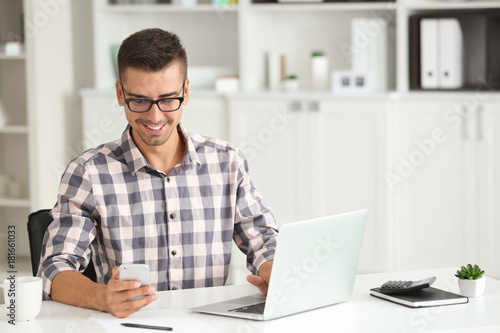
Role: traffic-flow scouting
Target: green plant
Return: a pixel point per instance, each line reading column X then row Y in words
column 318, row 54
column 292, row 77
column 469, row 272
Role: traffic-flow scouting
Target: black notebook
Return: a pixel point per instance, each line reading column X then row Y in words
column 422, row 298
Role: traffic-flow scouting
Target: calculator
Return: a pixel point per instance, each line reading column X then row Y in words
column 403, row 287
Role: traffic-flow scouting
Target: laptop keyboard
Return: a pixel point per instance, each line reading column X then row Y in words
column 254, row 308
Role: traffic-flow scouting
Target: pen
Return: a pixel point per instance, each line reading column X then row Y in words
column 161, row 328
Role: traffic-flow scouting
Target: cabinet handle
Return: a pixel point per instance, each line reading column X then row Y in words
column 295, row 106
column 479, row 119
column 314, row 106
column 465, row 124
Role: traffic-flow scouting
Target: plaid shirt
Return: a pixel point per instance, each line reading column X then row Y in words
column 114, row 207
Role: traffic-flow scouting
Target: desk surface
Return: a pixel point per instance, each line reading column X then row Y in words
column 362, row 313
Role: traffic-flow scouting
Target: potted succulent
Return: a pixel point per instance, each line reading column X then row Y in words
column 291, row 83
column 471, row 280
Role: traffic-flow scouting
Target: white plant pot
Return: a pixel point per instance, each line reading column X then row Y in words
column 472, row 288
column 291, row 85
column 320, row 74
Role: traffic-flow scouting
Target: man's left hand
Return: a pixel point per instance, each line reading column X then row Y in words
column 262, row 281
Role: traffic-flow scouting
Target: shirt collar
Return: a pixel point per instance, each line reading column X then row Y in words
column 190, row 155
column 135, row 160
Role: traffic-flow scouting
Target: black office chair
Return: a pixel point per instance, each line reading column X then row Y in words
column 37, row 224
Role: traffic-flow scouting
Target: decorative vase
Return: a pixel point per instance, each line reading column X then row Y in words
column 320, row 74
column 472, row 288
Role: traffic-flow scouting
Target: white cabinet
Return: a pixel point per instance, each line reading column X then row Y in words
column 351, row 155
column 426, row 179
column 442, row 182
column 206, row 114
column 269, row 134
column 488, row 189
column 312, row 157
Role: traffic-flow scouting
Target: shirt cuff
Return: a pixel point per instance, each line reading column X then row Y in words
column 263, row 255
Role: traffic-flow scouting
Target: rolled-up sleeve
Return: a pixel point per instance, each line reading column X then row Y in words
column 255, row 230
column 66, row 245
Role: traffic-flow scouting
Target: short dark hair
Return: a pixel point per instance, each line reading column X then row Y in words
column 151, row 50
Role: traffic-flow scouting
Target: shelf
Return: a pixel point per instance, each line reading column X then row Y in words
column 168, row 8
column 20, row 56
column 452, row 5
column 278, row 7
column 311, row 7
column 446, row 95
column 14, row 129
column 18, row 203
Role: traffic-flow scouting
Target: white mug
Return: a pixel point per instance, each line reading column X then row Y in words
column 23, row 297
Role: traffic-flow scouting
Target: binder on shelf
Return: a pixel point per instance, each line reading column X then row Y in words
column 429, row 53
column 441, row 53
column 450, row 54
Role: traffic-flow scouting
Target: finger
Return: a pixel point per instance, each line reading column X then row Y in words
column 127, row 294
column 127, row 308
column 137, row 304
column 258, row 282
column 119, row 285
column 124, row 304
column 116, row 273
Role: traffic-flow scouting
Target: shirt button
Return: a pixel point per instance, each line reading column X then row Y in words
column 172, row 216
column 173, row 252
column 168, row 179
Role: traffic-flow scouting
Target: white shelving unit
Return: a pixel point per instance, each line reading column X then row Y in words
column 14, row 135
column 35, row 90
column 239, row 37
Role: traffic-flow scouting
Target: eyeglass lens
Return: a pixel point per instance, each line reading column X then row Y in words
column 144, row 105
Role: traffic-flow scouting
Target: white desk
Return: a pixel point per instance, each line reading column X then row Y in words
column 363, row 313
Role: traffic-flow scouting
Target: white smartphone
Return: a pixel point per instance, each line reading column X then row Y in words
column 138, row 272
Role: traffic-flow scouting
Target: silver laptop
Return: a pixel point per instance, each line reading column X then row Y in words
column 314, row 266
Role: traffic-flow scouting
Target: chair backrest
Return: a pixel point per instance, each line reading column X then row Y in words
column 37, row 225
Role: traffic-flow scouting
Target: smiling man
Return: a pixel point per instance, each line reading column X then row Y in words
column 159, row 195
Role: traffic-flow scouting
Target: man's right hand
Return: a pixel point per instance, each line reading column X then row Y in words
column 118, row 292
column 73, row 288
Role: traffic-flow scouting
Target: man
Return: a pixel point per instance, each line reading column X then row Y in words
column 159, row 195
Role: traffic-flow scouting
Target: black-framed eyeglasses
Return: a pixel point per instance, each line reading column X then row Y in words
column 141, row 105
